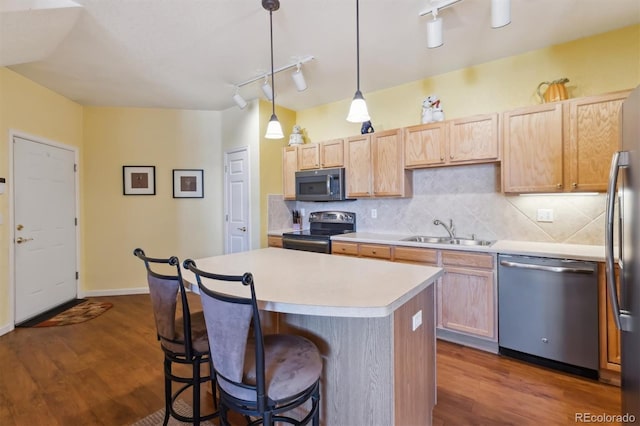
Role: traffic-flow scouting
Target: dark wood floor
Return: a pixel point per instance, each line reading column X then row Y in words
column 108, row 371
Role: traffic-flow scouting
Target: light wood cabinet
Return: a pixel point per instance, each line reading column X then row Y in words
column 274, row 241
column 332, row 153
column 469, row 294
column 467, row 140
column 377, row 251
column 375, row 166
column 309, row 156
column 473, row 139
column 321, row 155
column 425, row 145
column 533, row 150
column 390, row 179
column 609, row 334
column 358, row 168
column 344, row 248
column 562, row 146
column 593, row 136
column 289, row 168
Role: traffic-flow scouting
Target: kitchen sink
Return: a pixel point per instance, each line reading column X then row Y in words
column 448, row 240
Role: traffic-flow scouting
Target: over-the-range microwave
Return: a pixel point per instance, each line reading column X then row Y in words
column 320, row 185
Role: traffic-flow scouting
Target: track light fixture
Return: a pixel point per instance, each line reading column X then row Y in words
column 274, row 129
column 358, row 112
column 298, row 79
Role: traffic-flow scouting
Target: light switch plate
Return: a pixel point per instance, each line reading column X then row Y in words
column 374, row 213
column 544, row 215
column 416, row 320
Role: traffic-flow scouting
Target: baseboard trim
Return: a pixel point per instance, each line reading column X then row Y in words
column 115, row 292
column 7, row 328
column 463, row 339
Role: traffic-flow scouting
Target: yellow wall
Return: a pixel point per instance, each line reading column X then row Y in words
column 603, row 63
column 271, row 159
column 31, row 109
column 116, row 224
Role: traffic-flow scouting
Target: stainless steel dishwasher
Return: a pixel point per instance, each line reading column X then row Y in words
column 548, row 312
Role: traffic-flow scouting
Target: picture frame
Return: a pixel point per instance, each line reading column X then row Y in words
column 188, row 183
column 139, row 180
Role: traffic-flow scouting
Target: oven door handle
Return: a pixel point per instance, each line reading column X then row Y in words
column 295, row 243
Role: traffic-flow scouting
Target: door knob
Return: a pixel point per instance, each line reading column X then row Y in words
column 21, row 240
column 243, row 229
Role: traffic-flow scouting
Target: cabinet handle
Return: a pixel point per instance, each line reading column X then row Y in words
column 441, row 158
column 451, row 156
column 574, row 185
column 559, row 186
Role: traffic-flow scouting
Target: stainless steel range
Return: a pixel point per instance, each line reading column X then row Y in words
column 322, row 225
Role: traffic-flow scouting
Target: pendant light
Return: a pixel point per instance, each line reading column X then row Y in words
column 358, row 112
column 274, row 129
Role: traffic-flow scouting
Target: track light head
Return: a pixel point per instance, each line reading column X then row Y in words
column 298, row 79
column 239, row 100
column 266, row 88
column 500, row 13
column 434, row 32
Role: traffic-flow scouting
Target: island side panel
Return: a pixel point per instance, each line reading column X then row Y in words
column 357, row 377
column 415, row 361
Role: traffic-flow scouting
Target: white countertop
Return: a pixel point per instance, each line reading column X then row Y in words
column 300, row 282
column 529, row 248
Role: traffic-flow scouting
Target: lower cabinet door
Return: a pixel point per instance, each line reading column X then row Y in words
column 468, row 298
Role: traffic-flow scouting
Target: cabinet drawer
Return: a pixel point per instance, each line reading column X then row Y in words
column 274, row 241
column 411, row 254
column 374, row 250
column 461, row 258
column 338, row 247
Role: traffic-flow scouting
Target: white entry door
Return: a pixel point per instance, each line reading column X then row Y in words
column 237, row 208
column 45, row 227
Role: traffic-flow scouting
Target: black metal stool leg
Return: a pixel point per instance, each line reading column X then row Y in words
column 167, row 390
column 196, row 391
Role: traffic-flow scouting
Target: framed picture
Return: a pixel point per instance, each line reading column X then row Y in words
column 139, row 180
column 187, row 183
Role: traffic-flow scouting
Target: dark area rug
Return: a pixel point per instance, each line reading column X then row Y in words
column 73, row 312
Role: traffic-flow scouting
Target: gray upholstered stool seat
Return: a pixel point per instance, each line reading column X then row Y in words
column 292, row 364
column 199, row 339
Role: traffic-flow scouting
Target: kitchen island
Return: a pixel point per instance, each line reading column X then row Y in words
column 374, row 323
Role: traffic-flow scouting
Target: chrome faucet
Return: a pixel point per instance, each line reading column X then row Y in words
column 450, row 229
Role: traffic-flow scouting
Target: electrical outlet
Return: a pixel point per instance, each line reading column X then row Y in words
column 545, row 215
column 302, row 213
column 416, row 320
column 374, row 213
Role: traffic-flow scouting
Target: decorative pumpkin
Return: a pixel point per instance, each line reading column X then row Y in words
column 556, row 90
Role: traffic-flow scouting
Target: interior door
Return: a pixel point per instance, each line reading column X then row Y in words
column 45, row 227
column 237, row 201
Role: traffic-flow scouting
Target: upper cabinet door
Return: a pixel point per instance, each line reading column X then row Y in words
column 533, row 149
column 474, row 139
column 309, row 156
column 594, row 135
column 424, row 145
column 388, row 164
column 289, row 168
column 332, row 153
column 358, row 166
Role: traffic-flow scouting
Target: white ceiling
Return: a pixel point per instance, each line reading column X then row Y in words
column 189, row 54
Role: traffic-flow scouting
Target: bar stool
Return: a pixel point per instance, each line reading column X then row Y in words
column 260, row 376
column 183, row 340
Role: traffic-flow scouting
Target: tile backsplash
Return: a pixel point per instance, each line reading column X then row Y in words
column 471, row 197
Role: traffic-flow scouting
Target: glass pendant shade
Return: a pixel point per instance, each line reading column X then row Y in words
column 274, row 129
column 358, row 112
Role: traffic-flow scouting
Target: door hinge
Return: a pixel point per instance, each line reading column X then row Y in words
column 77, row 275
column 226, row 218
column 75, row 219
column 75, row 167
column 226, row 169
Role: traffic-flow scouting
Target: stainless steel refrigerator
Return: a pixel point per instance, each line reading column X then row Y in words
column 624, row 181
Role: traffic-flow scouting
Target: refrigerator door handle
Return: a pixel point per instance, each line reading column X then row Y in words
column 621, row 318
